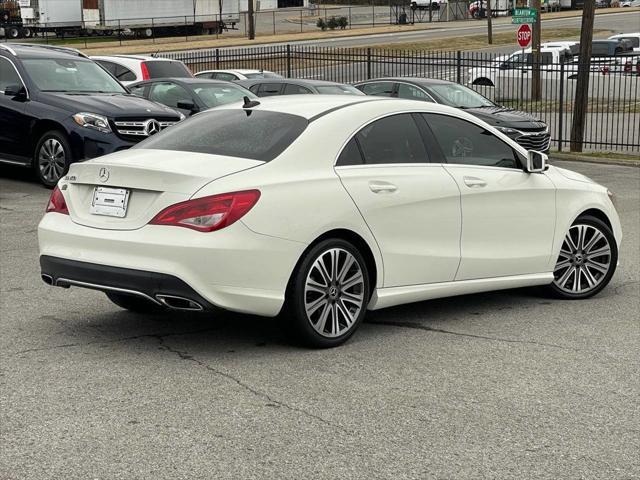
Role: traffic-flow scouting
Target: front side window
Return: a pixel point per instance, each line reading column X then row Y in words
column 214, row 94
column 269, row 89
column 293, row 89
column 466, row 143
column 393, row 139
column 253, row 134
column 412, row 93
column 8, row 75
column 70, row 76
column 378, row 89
column 169, row 94
column 138, row 91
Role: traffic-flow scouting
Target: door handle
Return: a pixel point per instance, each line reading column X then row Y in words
column 382, row 187
column 474, row 182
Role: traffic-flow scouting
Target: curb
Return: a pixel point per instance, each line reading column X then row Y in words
column 565, row 157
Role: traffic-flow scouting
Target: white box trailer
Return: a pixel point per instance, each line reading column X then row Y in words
column 51, row 14
column 146, row 16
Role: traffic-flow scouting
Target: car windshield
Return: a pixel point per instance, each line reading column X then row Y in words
column 459, row 96
column 70, row 75
column 262, row 75
column 214, row 95
column 252, row 134
column 338, row 90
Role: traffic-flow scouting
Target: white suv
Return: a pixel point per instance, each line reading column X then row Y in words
column 236, row 74
column 134, row 68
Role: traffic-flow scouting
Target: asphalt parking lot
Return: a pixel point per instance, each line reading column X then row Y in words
column 501, row 385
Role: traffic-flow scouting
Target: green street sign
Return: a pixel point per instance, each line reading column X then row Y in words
column 521, row 20
column 525, row 12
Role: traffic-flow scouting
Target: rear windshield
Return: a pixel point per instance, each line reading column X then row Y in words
column 162, row 69
column 256, row 135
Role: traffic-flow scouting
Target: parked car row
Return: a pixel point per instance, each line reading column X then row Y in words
column 59, row 106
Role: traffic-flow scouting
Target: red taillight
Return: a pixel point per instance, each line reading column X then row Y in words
column 57, row 203
column 145, row 71
column 605, row 70
column 207, row 214
column 628, row 67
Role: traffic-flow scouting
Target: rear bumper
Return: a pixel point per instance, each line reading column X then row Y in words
column 155, row 287
column 233, row 269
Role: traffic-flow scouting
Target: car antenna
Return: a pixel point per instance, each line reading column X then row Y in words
column 154, row 55
column 248, row 103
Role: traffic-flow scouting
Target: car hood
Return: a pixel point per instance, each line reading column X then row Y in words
column 571, row 175
column 108, row 104
column 506, row 117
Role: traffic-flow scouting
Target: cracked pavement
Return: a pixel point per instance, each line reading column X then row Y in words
column 500, row 385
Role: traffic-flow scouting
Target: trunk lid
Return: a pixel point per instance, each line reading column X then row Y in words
column 154, row 180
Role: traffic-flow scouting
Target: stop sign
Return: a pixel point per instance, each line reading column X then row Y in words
column 523, row 35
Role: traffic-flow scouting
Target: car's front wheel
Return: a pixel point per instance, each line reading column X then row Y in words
column 329, row 294
column 587, row 260
column 52, row 157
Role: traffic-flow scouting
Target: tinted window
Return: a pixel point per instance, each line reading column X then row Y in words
column 163, row 69
column 458, row 96
column 379, row 89
column 124, row 74
column 205, row 75
column 394, row 139
column 465, row 143
column 229, row 77
column 269, row 89
column 108, row 66
column 169, row 94
column 350, row 154
column 8, row 75
column 292, row 89
column 256, row 135
column 412, row 93
column 338, row 90
column 139, row 90
column 634, row 41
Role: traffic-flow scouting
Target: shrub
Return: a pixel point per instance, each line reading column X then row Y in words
column 332, row 23
column 321, row 24
column 343, row 22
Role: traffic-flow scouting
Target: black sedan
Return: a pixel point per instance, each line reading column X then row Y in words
column 190, row 95
column 530, row 132
column 266, row 87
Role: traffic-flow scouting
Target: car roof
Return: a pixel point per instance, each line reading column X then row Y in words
column 316, row 106
column 186, row 81
column 618, row 35
column 142, row 58
column 414, row 80
column 297, row 81
column 22, row 50
column 242, row 71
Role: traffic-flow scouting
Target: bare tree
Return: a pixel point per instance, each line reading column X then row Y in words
column 489, row 24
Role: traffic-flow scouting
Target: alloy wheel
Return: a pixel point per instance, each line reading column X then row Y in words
column 584, row 261
column 334, row 292
column 52, row 160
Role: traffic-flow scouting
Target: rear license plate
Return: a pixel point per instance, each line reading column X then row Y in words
column 111, row 202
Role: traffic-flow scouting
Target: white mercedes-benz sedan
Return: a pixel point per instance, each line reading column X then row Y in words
column 321, row 207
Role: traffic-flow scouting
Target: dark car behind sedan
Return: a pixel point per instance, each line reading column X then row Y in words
column 190, row 95
column 530, row 132
column 266, row 87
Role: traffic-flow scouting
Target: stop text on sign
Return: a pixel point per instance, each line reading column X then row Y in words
column 523, row 35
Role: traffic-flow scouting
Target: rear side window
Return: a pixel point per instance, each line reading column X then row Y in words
column 269, row 89
column 162, row 69
column 393, row 139
column 256, row 135
column 378, row 89
column 228, row 77
column 350, row 154
column 293, row 89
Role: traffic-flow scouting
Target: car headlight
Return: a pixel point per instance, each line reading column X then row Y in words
column 93, row 121
column 509, row 131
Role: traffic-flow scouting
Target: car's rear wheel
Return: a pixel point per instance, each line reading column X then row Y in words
column 134, row 303
column 329, row 294
column 52, row 157
column 587, row 260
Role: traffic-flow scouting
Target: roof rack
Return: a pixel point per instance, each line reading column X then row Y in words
column 50, row 47
column 8, row 49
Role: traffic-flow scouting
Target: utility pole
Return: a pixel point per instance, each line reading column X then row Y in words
column 489, row 26
column 582, row 84
column 252, row 25
column 536, row 84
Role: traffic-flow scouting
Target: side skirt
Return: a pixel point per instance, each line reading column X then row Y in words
column 388, row 297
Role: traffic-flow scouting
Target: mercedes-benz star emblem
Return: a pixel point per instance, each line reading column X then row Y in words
column 103, row 175
column 151, row 127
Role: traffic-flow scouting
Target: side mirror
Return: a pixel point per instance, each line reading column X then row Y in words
column 187, row 105
column 15, row 91
column 536, row 162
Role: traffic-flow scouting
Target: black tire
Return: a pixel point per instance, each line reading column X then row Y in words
column 483, row 81
column 49, row 170
column 583, row 262
column 336, row 301
column 12, row 33
column 134, row 304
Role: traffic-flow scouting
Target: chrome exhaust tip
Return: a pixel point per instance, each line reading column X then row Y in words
column 179, row 303
column 48, row 279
